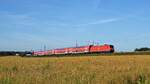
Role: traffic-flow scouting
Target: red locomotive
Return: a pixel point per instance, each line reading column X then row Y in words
column 77, row 50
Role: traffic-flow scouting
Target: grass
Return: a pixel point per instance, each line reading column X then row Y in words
column 75, row 70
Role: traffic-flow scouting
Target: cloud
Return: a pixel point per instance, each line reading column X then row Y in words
column 100, row 22
column 104, row 21
column 24, row 19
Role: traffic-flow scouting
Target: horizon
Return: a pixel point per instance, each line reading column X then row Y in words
column 31, row 24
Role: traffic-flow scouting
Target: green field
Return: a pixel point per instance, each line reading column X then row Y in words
column 75, row 70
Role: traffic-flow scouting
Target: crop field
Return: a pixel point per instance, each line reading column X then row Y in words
column 75, row 70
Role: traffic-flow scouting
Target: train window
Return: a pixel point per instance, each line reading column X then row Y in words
column 111, row 46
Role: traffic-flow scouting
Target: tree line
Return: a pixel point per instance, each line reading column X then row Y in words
column 14, row 53
column 142, row 49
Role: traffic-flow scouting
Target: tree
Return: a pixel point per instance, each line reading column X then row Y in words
column 142, row 49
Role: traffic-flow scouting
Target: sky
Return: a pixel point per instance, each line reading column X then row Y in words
column 31, row 24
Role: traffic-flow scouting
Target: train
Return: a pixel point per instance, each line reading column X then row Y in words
column 106, row 48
